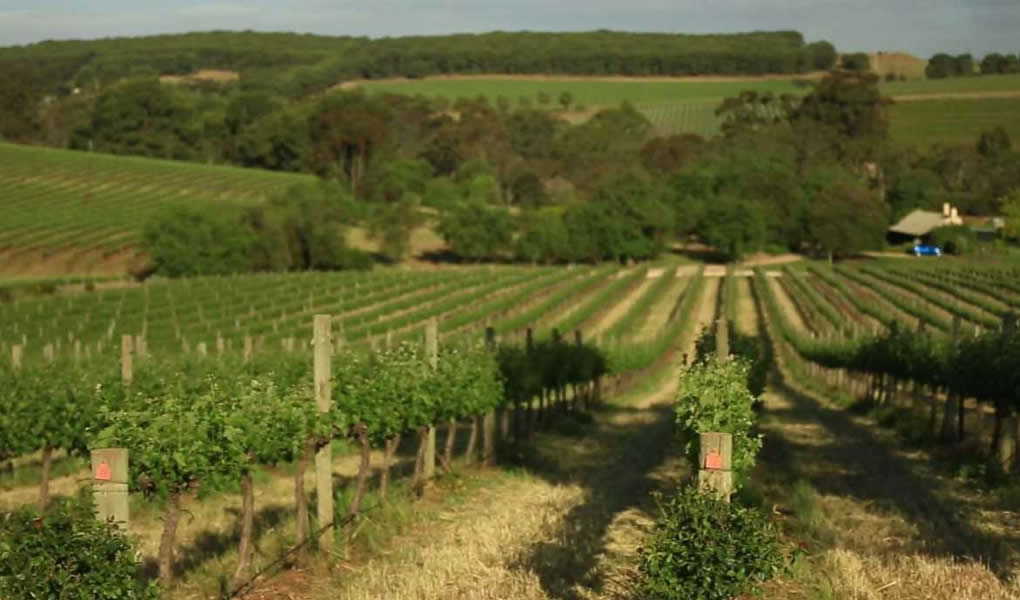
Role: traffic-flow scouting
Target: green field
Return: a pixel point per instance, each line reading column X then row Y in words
column 654, row 92
column 962, row 85
column 686, row 106
column 55, row 200
column 927, row 122
column 588, row 93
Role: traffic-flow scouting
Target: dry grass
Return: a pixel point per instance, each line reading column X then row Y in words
column 466, row 555
column 856, row 576
column 747, row 314
column 79, row 261
column 658, row 315
column 880, row 521
column 787, row 305
column 568, row 528
column 214, row 75
column 619, row 309
column 900, row 63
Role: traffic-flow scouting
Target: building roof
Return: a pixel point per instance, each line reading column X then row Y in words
column 918, row 223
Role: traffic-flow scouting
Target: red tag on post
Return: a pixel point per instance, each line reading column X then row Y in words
column 713, row 461
column 103, row 472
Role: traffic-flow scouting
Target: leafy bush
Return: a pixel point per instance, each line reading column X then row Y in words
column 746, row 347
column 713, row 396
column 955, row 239
column 185, row 241
column 708, row 549
column 301, row 229
column 67, row 553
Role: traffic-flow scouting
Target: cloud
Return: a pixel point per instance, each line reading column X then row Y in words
column 218, row 10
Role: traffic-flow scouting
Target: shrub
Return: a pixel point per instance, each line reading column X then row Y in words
column 955, row 239
column 184, row 241
column 708, row 549
column 713, row 396
column 67, row 553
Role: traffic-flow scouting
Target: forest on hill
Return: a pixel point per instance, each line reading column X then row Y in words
column 311, row 62
column 498, row 180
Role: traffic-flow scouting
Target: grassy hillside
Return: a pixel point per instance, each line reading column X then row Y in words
column 81, row 208
column 588, row 92
column 688, row 105
column 953, row 121
column 954, row 85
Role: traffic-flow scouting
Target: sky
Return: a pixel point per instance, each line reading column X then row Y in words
column 921, row 27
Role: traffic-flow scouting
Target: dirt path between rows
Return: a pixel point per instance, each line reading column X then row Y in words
column 658, row 315
column 787, row 305
column 885, row 523
column 568, row 528
column 621, row 308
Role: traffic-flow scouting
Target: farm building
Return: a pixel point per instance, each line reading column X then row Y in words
column 919, row 224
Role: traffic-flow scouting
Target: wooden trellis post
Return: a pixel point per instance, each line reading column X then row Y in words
column 324, row 402
column 489, row 420
column 110, row 485
column 126, row 359
column 432, row 352
column 715, row 464
column 722, row 339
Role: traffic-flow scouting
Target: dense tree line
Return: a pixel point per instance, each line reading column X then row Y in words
column 317, row 62
column 789, row 174
column 944, row 65
column 806, row 174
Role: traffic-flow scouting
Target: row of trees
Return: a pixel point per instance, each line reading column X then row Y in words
column 318, row 61
column 300, row 230
column 944, row 65
column 811, row 174
column 196, row 428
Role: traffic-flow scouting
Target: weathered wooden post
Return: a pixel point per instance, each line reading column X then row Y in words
column 722, row 339
column 432, row 352
column 17, row 352
column 324, row 402
column 489, row 420
column 110, row 485
column 1007, row 419
column 715, row 474
column 126, row 359
column 953, row 401
column 247, row 349
column 203, row 350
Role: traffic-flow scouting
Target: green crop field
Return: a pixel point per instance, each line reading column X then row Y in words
column 585, row 92
column 954, row 85
column 597, row 92
column 56, row 200
column 956, row 121
column 686, row 106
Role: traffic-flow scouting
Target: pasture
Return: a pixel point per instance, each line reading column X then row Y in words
column 952, row 121
column 947, row 111
column 589, row 92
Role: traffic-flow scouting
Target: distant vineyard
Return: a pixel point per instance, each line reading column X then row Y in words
column 675, row 119
column 55, row 200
